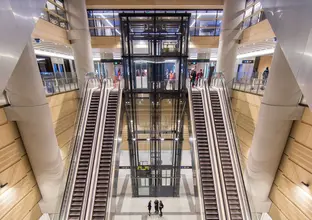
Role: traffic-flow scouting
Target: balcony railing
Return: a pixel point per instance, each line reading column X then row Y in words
column 55, row 13
column 107, row 22
column 58, row 85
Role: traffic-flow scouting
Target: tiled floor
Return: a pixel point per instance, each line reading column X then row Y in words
column 181, row 208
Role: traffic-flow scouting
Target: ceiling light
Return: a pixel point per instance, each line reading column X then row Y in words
column 256, row 53
column 52, row 54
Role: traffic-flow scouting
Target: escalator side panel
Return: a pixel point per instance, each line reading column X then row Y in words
column 207, row 181
column 84, row 160
column 226, row 163
column 104, row 173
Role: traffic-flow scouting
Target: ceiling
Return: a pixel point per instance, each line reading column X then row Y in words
column 255, row 47
column 53, row 47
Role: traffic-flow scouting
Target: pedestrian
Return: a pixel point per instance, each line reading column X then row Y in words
column 193, row 77
column 149, row 206
column 156, row 206
column 161, row 206
column 265, row 76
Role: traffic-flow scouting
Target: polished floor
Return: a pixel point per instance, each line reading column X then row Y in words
column 180, row 208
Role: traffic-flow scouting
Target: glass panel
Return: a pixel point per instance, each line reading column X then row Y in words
column 246, row 23
column 60, row 3
column 53, row 19
column 249, row 2
column 51, row 7
column 248, row 12
column 255, row 19
column 257, row 7
column 44, row 15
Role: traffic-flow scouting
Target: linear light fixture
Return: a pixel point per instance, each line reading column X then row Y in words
column 198, row 16
column 110, row 24
column 52, row 54
column 256, row 53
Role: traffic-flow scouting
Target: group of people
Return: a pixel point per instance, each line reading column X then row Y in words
column 158, row 205
column 195, row 76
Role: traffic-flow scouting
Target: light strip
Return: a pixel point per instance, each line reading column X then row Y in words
column 256, row 53
column 97, row 59
column 51, row 54
column 198, row 16
column 110, row 24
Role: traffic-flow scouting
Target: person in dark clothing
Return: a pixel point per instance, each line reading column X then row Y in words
column 193, row 77
column 156, row 203
column 161, row 206
column 149, row 206
column 265, row 75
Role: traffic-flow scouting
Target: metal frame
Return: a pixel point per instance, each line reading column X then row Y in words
column 156, row 92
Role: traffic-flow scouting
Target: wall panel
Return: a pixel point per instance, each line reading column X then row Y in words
column 295, row 199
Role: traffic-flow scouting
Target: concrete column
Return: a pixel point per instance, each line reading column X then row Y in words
column 278, row 109
column 80, row 38
column 109, row 67
column 30, row 109
column 233, row 12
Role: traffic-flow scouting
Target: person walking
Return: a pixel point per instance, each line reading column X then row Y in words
column 193, row 77
column 265, row 75
column 161, row 206
column 156, row 203
column 149, row 206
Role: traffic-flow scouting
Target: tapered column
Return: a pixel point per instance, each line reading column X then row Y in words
column 230, row 34
column 80, row 38
column 278, row 109
column 30, row 109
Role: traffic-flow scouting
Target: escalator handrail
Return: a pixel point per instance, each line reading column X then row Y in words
column 97, row 155
column 196, row 156
column 76, row 151
column 116, row 145
column 222, row 201
column 235, row 147
column 93, row 149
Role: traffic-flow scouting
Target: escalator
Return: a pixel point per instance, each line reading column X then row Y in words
column 102, row 187
column 207, row 182
column 79, row 190
column 225, row 158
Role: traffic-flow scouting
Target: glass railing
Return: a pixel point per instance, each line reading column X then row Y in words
column 56, row 85
column 55, row 13
column 253, row 85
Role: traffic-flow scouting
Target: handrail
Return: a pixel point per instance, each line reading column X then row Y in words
column 234, row 153
column 97, row 157
column 82, row 114
column 194, row 144
column 215, row 156
column 115, row 152
column 93, row 149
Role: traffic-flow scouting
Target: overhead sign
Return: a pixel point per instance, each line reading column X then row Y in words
column 247, row 61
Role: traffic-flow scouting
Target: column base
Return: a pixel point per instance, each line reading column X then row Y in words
column 258, row 205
